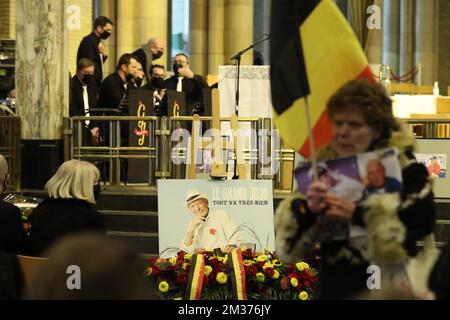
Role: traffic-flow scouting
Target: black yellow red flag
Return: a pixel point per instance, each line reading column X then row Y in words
column 313, row 52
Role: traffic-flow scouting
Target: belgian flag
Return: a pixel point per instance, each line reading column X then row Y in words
column 313, row 52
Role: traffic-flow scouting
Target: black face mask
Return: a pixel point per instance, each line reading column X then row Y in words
column 105, row 35
column 157, row 55
column 97, row 191
column 175, row 68
column 157, row 83
column 87, row 78
column 138, row 81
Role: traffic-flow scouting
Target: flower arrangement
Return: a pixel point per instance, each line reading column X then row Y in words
column 25, row 205
column 266, row 276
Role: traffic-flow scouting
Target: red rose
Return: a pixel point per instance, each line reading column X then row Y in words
column 251, row 270
column 269, row 272
column 205, row 280
column 260, row 264
column 182, row 278
column 285, row 283
column 306, row 282
column 293, row 275
column 289, row 269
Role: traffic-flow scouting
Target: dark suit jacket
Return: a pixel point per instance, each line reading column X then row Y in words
column 89, row 49
column 142, row 57
column 112, row 92
column 76, row 102
column 12, row 235
column 193, row 89
column 54, row 218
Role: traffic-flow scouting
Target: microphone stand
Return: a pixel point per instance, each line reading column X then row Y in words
column 237, row 57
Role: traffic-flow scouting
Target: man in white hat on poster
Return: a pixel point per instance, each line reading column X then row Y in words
column 210, row 229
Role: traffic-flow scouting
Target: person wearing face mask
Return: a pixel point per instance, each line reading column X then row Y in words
column 152, row 50
column 82, row 97
column 184, row 80
column 157, row 74
column 12, row 235
column 92, row 48
column 73, row 191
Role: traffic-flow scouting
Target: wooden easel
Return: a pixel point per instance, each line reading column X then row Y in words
column 216, row 143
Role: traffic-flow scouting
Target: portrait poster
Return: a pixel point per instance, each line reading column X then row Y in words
column 239, row 213
column 436, row 163
column 354, row 178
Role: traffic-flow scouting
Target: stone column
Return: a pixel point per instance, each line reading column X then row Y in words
column 426, row 51
column 238, row 29
column 107, row 8
column 391, row 33
column 199, row 36
column 261, row 20
column 406, row 37
column 216, row 17
column 42, row 86
column 444, row 47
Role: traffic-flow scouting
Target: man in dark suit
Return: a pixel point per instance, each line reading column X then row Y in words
column 150, row 51
column 114, row 94
column 186, row 81
column 83, row 96
column 12, row 235
column 92, row 48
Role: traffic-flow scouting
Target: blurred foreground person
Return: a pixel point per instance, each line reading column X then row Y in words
column 86, row 266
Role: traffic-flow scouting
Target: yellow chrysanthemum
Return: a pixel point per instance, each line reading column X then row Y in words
column 173, row 260
column 221, row 278
column 178, row 298
column 268, row 264
column 262, row 257
column 243, row 248
column 248, row 263
column 303, row 295
column 188, row 257
column 276, row 274
column 260, row 277
column 163, row 286
column 294, row 282
column 208, row 270
column 277, row 262
column 302, row 266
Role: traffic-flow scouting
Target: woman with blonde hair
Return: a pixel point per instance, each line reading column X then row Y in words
column 72, row 191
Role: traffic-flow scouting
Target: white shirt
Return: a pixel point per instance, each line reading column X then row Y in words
column 86, row 103
column 217, row 231
column 180, row 84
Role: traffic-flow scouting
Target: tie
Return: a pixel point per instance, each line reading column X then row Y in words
column 180, row 84
column 86, row 104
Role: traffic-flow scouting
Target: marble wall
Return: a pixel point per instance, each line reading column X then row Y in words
column 41, row 67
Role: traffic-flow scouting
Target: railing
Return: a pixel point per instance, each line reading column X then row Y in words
column 156, row 154
column 10, row 130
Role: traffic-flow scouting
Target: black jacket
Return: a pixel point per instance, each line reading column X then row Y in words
column 12, row 235
column 112, row 92
column 89, row 49
column 54, row 218
column 193, row 88
column 76, row 102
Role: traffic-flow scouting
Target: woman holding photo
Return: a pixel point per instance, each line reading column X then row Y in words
column 362, row 120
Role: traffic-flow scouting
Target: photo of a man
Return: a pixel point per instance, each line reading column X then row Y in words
column 376, row 180
column 209, row 228
column 434, row 168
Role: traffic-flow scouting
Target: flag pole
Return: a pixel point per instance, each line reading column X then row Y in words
column 312, row 146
